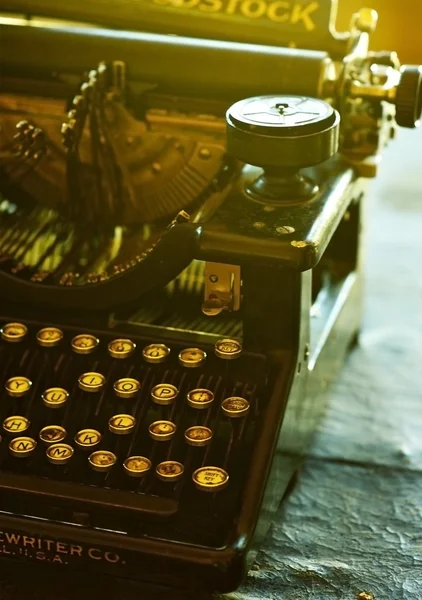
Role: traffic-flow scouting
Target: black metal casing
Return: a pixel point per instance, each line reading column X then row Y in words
column 301, row 296
column 293, row 350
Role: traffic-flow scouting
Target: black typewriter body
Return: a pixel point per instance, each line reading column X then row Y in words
column 180, row 535
column 180, row 280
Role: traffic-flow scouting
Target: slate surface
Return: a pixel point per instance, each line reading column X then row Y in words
column 353, row 522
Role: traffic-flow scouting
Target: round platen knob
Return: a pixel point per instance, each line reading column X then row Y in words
column 282, row 131
column 282, row 134
column 409, row 97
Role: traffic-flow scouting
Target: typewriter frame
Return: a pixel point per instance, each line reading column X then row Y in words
column 306, row 339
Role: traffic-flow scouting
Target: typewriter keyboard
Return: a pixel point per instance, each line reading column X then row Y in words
column 99, row 430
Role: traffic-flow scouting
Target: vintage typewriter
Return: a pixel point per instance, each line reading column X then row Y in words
column 180, row 271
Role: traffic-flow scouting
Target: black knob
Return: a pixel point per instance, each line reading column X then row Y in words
column 282, row 134
column 409, row 97
column 282, row 131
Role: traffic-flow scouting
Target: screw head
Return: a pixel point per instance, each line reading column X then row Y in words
column 285, row 230
column 259, row 225
column 205, row 153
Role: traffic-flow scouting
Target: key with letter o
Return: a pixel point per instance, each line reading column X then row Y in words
column 126, row 387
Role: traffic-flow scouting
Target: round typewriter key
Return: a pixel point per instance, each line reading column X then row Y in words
column 59, row 454
column 15, row 424
column 91, row 382
column 155, row 353
column 84, row 343
column 228, row 349
column 200, row 398
column 55, row 397
column 192, row 357
column 170, row 470
column 18, row 386
column 121, row 348
column 22, row 447
column 164, row 394
column 122, row 424
column 210, row 479
column 88, row 438
column 102, row 460
column 198, row 435
column 49, row 337
column 126, row 387
column 52, row 434
column 137, row 466
column 235, row 407
column 13, row 332
column 162, row 430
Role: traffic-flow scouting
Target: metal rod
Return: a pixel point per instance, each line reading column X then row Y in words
column 171, row 64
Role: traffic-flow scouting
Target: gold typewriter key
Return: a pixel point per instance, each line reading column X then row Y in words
column 137, row 466
column 162, row 430
column 102, row 460
column 170, row 470
column 18, row 386
column 55, row 397
column 122, row 424
column 52, row 434
column 200, row 398
column 15, row 424
column 155, row 353
column 49, row 337
column 164, row 394
column 84, row 343
column 88, row 438
column 192, row 357
column 198, row 435
column 91, row 382
column 59, row 454
column 22, row 447
column 228, row 349
column 126, row 387
column 235, row 407
column 13, row 332
column 121, row 348
column 210, row 479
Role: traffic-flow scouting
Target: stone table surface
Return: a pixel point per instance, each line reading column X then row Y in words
column 353, row 523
